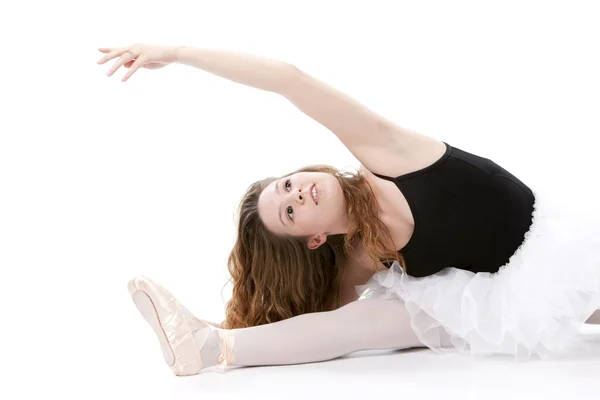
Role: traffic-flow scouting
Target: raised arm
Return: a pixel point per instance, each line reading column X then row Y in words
column 247, row 69
column 365, row 133
column 378, row 143
column 350, row 121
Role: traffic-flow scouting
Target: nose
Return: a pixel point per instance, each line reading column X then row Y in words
column 298, row 195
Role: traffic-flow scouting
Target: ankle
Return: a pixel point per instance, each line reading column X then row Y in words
column 226, row 341
column 207, row 339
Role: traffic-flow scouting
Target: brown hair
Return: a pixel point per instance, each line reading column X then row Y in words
column 277, row 277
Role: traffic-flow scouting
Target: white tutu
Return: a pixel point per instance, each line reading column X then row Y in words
column 535, row 304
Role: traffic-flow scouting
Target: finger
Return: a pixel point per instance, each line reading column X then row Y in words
column 112, row 54
column 119, row 63
column 139, row 63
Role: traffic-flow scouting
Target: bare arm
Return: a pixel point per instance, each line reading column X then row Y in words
column 366, row 134
column 258, row 72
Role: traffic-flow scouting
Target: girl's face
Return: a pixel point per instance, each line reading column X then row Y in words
column 287, row 206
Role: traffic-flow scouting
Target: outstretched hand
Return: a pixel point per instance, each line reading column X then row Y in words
column 137, row 56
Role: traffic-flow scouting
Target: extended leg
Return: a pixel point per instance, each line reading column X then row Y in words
column 370, row 324
column 189, row 345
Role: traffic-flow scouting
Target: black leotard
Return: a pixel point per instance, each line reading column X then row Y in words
column 469, row 213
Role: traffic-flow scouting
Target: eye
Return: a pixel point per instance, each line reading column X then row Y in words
column 290, row 211
column 286, row 184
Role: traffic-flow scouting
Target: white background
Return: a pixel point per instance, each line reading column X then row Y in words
column 102, row 180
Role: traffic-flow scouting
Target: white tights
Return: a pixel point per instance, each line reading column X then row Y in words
column 368, row 324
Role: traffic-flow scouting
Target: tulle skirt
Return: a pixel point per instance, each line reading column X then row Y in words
column 534, row 306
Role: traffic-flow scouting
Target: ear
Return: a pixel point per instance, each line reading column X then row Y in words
column 316, row 241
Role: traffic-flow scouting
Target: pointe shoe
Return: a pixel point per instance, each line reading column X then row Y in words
column 173, row 324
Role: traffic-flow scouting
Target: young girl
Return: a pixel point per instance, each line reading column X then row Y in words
column 427, row 245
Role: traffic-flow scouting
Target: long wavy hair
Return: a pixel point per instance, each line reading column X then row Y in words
column 276, row 277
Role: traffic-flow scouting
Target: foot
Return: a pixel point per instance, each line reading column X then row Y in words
column 182, row 336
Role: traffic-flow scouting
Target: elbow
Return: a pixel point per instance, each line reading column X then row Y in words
column 290, row 77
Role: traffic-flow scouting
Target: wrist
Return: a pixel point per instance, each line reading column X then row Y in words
column 178, row 53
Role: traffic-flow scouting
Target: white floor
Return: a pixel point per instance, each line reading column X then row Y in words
column 138, row 372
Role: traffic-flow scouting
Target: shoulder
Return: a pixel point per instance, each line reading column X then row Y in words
column 363, row 171
column 399, row 157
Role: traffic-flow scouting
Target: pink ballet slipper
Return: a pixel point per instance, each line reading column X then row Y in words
column 181, row 335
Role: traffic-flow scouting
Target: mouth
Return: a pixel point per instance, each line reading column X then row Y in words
column 315, row 193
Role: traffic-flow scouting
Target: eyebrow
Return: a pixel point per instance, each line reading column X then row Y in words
column 279, row 211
